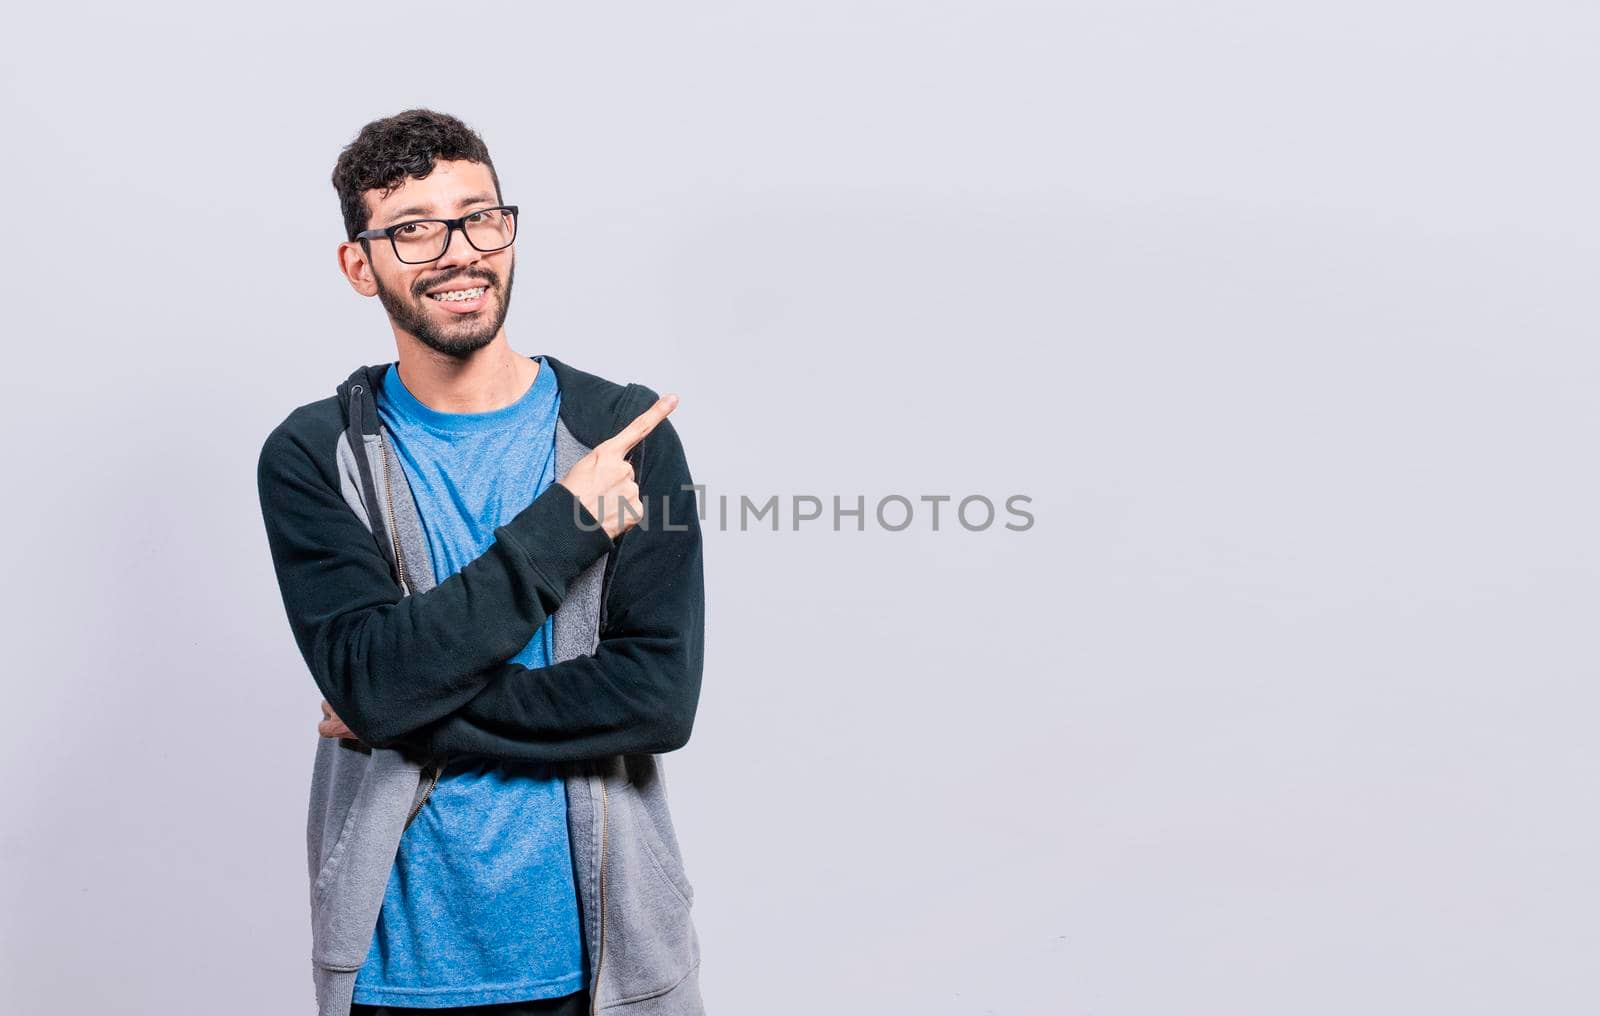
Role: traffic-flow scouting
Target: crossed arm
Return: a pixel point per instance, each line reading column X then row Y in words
column 428, row 671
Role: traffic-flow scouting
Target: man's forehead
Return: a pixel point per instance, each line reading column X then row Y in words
column 448, row 188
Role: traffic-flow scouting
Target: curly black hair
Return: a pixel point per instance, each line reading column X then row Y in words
column 388, row 151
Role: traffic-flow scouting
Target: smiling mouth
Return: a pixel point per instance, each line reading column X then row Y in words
column 457, row 295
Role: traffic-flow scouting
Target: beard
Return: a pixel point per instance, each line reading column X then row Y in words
column 463, row 334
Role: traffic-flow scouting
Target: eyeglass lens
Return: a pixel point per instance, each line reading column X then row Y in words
column 488, row 230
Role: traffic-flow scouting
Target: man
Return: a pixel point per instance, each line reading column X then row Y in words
column 502, row 654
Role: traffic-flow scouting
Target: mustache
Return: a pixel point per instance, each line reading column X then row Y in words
column 487, row 278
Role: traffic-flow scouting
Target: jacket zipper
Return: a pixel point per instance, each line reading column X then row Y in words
column 405, row 587
column 434, row 778
column 605, row 806
column 600, row 955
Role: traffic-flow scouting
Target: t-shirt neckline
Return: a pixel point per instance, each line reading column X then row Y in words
column 531, row 402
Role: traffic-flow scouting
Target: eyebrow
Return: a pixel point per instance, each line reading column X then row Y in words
column 427, row 212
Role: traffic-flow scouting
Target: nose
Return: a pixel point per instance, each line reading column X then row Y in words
column 458, row 252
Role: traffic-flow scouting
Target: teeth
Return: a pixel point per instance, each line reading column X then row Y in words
column 459, row 294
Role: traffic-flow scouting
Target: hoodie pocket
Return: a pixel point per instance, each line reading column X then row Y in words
column 319, row 886
column 348, row 891
column 660, row 842
column 650, row 940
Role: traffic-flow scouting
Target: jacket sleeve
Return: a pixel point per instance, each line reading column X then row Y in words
column 388, row 663
column 638, row 691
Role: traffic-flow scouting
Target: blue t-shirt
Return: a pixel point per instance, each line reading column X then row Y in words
column 481, row 905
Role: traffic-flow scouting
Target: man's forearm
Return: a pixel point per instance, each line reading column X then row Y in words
column 386, row 661
column 619, row 702
column 638, row 691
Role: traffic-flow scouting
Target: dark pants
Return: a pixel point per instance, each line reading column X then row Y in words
column 575, row 1004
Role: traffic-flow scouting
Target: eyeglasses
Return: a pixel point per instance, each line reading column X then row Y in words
column 422, row 240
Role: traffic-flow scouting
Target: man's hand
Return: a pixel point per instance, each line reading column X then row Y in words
column 332, row 726
column 603, row 482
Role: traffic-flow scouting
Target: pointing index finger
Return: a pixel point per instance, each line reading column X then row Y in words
column 624, row 440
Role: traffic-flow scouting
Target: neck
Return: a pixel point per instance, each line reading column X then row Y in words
column 487, row 379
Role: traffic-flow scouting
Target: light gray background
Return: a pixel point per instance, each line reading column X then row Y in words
column 1282, row 314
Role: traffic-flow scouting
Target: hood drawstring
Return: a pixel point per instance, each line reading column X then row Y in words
column 360, row 397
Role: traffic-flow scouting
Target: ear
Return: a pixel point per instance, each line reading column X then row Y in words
column 356, row 268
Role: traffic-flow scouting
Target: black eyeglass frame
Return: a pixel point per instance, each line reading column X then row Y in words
column 449, row 226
